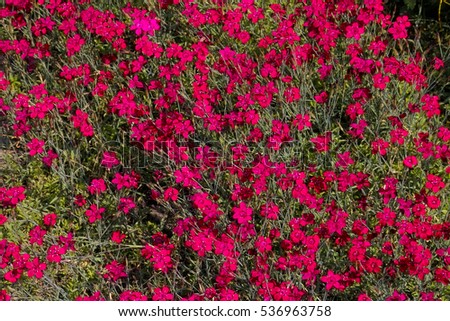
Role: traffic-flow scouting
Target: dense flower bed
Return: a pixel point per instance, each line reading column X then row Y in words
column 221, row 150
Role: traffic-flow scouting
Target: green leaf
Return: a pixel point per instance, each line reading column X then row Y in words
column 410, row 4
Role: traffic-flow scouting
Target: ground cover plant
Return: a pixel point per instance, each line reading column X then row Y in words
column 221, row 150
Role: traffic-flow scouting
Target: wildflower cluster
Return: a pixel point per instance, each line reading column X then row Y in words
column 221, row 150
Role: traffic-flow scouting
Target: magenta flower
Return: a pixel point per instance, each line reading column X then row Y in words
column 410, row 161
column 145, row 25
column 129, row 295
column 36, row 268
column 263, row 244
column 74, row 44
column 433, row 202
column 36, row 235
column 109, row 159
column 4, row 296
column 50, row 219
column 51, row 156
column 438, row 63
column 332, row 280
column 94, row 213
column 115, row 270
column 118, row 237
column 128, row 181
column 399, row 28
column 321, row 142
column 3, row 219
column 36, row 146
column 434, row 183
column 243, row 213
column 126, row 205
column 171, row 194
column 54, row 253
column 162, row 294
column 270, row 210
column 97, row 186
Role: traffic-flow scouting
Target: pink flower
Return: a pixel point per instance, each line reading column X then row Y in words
column 201, row 242
column 50, row 219
column 36, row 268
column 444, row 133
column 109, row 159
column 387, row 217
column 399, row 28
column 68, row 26
column 322, row 142
column 97, row 186
column 375, row 6
column 126, row 205
column 145, row 25
column 67, row 241
column 74, row 44
column 270, row 210
column 378, row 46
column 344, row 160
column 380, row 146
column 321, row 98
column 243, row 37
column 129, row 295
column 4, row 84
column 380, row 81
column 302, row 121
column 115, row 270
column 373, row 265
column 355, row 30
column 87, row 130
column 364, row 297
column 38, row 91
column 36, row 235
column 51, row 156
column 243, row 213
column 387, row 248
column 35, row 146
column 428, row 296
column 12, row 196
column 54, row 253
column 433, row 202
column 118, row 237
column 159, row 254
column 13, row 275
column 434, row 183
column 171, row 194
column 126, row 180
column 42, row 25
column 79, row 200
column 438, row 63
column 410, row 161
column 162, row 294
column 332, row 280
column 430, row 105
column 396, row 296
column 188, row 177
column 4, row 296
column 292, row 94
column 80, row 120
column 94, row 213
column 228, row 295
column 263, row 244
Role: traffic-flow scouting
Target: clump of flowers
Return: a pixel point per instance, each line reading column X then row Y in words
column 178, row 151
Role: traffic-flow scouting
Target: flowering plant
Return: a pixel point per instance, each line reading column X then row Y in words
column 221, row 150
